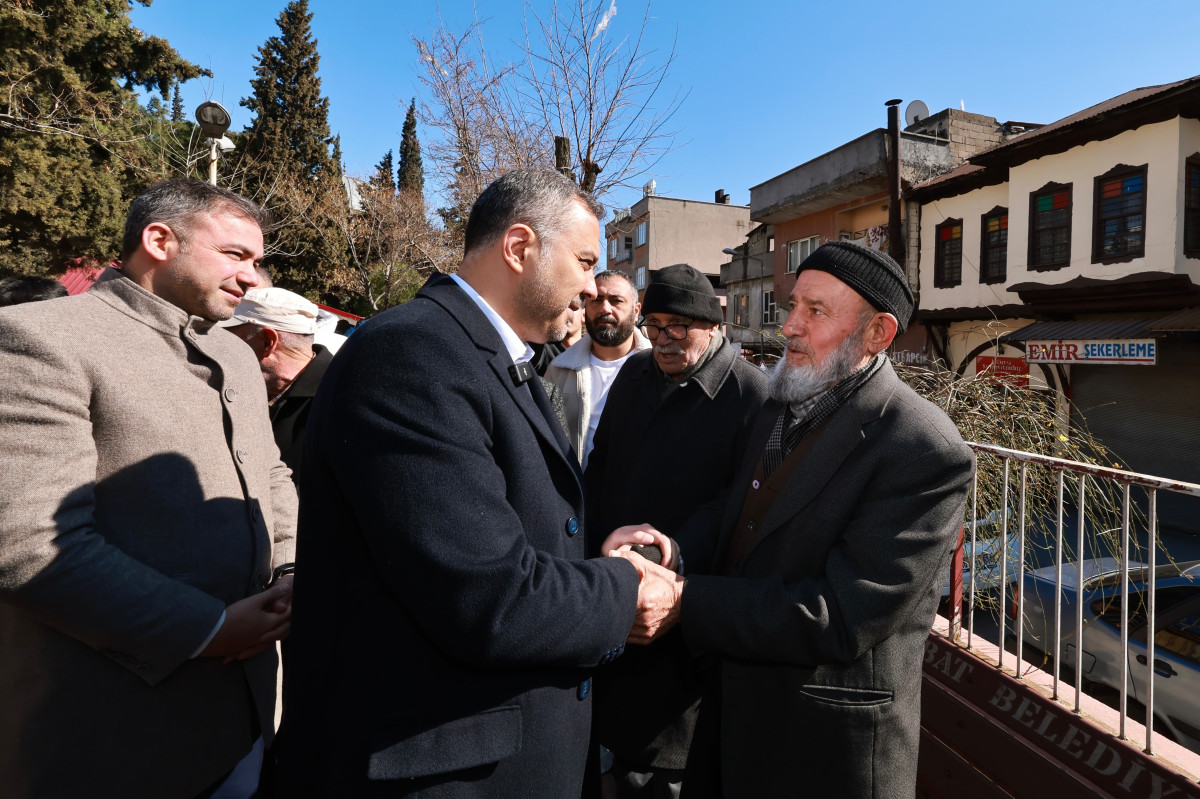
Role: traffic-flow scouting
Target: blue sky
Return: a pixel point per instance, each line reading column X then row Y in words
column 771, row 83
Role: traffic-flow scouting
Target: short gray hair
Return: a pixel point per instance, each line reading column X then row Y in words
column 539, row 198
column 176, row 202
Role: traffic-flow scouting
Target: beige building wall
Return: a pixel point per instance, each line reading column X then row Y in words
column 969, row 208
column 1164, row 147
column 692, row 232
column 1158, row 146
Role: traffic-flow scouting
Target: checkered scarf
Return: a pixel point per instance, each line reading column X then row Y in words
column 802, row 418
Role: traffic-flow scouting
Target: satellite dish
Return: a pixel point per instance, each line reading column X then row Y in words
column 915, row 112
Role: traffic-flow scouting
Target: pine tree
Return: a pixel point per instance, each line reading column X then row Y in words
column 72, row 138
column 287, row 158
column 383, row 174
column 177, row 113
column 410, row 175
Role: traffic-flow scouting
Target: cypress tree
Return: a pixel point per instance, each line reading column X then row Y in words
column 177, row 113
column 383, row 174
column 410, row 175
column 64, row 196
column 287, row 153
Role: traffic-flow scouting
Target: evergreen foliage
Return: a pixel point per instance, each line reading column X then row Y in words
column 286, row 160
column 411, row 175
column 74, row 143
column 383, row 179
column 177, row 112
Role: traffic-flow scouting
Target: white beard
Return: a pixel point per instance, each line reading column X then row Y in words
column 792, row 384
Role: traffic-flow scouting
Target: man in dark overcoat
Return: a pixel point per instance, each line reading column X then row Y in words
column 827, row 562
column 673, row 432
column 447, row 622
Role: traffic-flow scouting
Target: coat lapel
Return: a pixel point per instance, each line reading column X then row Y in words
column 836, row 442
column 446, row 293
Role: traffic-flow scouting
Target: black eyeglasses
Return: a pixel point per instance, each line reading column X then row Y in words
column 676, row 332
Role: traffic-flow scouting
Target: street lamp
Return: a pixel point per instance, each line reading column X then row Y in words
column 214, row 121
column 762, row 267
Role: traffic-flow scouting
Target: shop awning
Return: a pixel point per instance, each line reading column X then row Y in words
column 1185, row 321
column 1084, row 330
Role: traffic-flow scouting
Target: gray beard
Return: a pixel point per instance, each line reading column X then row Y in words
column 792, row 384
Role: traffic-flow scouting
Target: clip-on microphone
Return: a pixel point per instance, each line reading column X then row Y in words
column 521, row 373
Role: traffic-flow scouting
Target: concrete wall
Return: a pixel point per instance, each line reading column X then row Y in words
column 863, row 157
column 691, row 232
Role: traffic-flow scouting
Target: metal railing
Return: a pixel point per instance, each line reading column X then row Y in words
column 1082, row 474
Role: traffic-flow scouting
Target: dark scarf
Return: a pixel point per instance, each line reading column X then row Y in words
column 795, row 423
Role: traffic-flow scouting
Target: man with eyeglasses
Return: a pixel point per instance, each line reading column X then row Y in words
column 673, row 431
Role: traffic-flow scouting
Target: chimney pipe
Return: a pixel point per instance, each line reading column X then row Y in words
column 895, row 248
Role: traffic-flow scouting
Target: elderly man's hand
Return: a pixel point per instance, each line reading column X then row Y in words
column 659, row 595
column 623, row 538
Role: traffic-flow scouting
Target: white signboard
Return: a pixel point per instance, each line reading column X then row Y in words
column 1124, row 352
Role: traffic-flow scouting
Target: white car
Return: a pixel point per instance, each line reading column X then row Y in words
column 1176, row 634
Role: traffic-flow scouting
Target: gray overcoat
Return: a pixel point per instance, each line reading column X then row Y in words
column 818, row 638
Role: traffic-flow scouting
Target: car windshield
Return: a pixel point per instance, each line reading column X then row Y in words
column 1108, row 607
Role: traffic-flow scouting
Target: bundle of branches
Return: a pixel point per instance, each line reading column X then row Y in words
column 989, row 409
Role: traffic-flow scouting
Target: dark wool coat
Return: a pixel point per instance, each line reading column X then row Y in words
column 445, row 622
column 289, row 414
column 139, row 491
column 657, row 461
column 820, row 634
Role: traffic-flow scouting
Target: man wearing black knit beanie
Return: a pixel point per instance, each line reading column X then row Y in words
column 820, row 572
column 673, row 431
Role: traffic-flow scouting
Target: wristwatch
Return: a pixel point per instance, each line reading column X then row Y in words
column 280, row 571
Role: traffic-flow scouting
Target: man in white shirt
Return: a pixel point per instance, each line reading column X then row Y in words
column 586, row 370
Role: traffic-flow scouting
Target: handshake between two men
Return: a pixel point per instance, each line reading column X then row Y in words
column 660, row 588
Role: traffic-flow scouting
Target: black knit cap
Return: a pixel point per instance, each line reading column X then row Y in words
column 871, row 273
column 683, row 291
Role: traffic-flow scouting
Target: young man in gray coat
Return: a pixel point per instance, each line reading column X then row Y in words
column 820, row 581
column 143, row 508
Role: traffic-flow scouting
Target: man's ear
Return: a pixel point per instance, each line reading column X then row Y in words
column 880, row 332
column 159, row 241
column 517, row 244
column 270, row 341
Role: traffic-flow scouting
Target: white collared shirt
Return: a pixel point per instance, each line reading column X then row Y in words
column 518, row 350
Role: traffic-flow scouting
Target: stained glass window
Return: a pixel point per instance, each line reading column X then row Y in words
column 948, row 254
column 1120, row 216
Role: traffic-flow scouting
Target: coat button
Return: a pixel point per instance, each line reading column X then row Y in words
column 572, row 526
column 256, row 513
column 755, row 484
column 230, row 394
column 750, row 525
column 585, row 688
column 241, row 455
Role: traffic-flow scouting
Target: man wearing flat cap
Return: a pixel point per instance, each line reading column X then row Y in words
column 824, row 568
column 280, row 326
column 673, row 431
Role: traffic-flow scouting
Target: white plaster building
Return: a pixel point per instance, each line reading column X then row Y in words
column 1084, row 233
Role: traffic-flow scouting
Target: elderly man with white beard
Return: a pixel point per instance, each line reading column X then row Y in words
column 820, row 574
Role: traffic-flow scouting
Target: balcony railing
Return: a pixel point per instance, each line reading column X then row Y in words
column 1077, row 482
